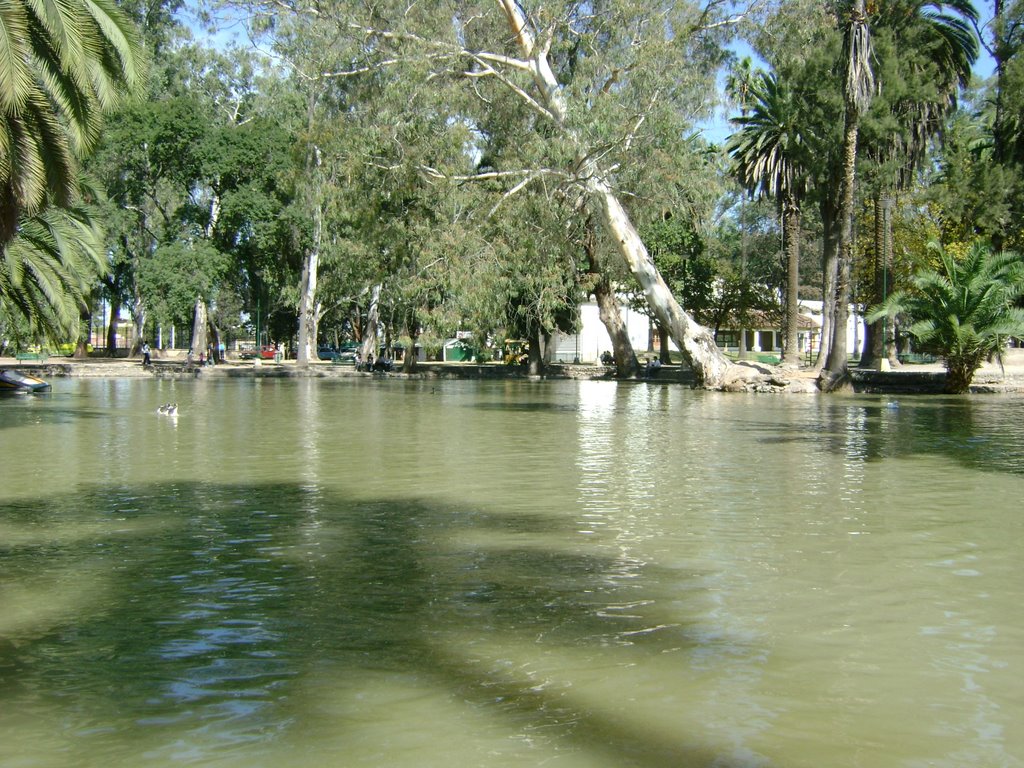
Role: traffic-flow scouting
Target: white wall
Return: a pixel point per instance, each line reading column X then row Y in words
column 593, row 338
column 855, row 328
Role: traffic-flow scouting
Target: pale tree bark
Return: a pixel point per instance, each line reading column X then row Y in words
column 310, row 266
column 199, row 323
column 608, row 310
column 710, row 366
column 372, row 324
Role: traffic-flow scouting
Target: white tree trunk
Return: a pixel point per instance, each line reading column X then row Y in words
column 710, row 366
column 307, row 310
column 199, row 322
column 372, row 322
column 307, row 288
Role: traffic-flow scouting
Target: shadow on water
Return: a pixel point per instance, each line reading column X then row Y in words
column 979, row 433
column 169, row 608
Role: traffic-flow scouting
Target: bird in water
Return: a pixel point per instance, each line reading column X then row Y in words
column 168, row 409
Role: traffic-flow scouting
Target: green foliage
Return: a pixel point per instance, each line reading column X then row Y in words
column 62, row 65
column 965, row 311
column 49, row 268
column 175, row 274
column 770, row 151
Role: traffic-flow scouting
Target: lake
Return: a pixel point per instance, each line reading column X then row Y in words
column 382, row 572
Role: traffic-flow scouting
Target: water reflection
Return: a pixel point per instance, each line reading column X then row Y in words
column 303, row 573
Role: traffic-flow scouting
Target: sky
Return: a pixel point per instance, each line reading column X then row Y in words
column 717, row 129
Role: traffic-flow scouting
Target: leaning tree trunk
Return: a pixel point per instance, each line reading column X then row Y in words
column 608, row 310
column 791, row 233
column 626, row 365
column 711, row 367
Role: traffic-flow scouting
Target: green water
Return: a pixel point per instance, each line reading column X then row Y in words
column 388, row 573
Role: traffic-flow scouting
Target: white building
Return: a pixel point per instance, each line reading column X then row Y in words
column 593, row 339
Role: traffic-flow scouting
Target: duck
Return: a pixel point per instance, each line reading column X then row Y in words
column 168, row 409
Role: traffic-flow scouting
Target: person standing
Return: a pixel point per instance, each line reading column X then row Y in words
column 145, row 354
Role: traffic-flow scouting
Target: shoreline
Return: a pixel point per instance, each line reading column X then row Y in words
column 908, row 379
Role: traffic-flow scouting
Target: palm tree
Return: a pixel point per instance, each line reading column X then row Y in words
column 858, row 89
column 61, row 66
column 965, row 311
column 770, row 159
column 937, row 47
column 49, row 267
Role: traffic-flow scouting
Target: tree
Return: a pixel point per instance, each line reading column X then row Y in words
column 965, row 311
column 770, row 158
column 858, row 88
column 587, row 113
column 49, row 268
column 61, row 67
column 924, row 52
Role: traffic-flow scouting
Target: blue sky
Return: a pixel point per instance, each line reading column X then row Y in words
column 715, row 129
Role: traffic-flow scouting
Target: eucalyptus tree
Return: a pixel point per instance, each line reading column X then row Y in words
column 525, row 279
column 597, row 280
column 771, row 158
column 645, row 66
column 149, row 164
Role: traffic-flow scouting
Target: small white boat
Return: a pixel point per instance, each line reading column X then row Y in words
column 15, row 381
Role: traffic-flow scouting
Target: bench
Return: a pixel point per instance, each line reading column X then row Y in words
column 25, row 356
column 917, row 357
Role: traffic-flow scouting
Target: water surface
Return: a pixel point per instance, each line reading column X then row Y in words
column 391, row 573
